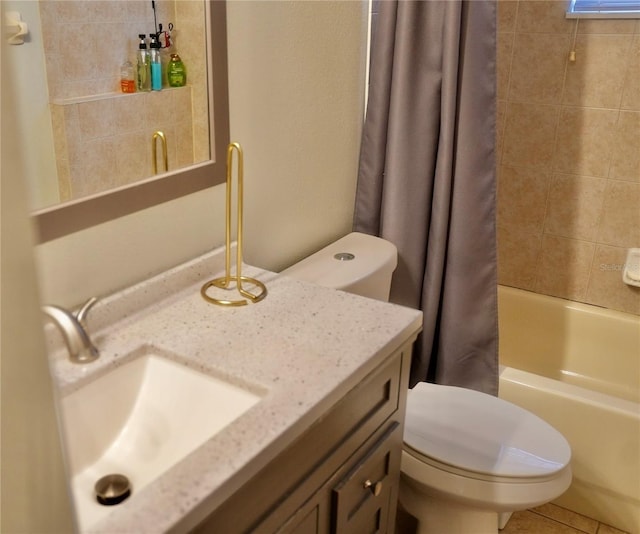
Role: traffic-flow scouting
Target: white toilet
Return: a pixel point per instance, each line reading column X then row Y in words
column 469, row 459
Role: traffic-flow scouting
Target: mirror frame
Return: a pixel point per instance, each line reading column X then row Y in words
column 57, row 221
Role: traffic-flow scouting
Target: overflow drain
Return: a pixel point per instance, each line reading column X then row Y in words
column 112, row 489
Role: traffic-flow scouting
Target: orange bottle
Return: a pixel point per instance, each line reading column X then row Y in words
column 127, row 78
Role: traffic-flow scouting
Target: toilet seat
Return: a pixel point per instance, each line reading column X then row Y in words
column 479, row 436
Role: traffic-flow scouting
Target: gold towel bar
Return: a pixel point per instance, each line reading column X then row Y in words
column 154, row 152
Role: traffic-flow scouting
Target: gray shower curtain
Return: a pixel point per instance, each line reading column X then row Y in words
column 426, row 180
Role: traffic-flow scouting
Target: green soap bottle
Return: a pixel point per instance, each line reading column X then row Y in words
column 177, row 73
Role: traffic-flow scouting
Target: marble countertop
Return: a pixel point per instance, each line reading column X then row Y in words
column 302, row 349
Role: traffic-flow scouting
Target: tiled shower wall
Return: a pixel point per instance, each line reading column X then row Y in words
column 568, row 152
column 104, row 140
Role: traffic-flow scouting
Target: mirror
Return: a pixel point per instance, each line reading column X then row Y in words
column 102, row 138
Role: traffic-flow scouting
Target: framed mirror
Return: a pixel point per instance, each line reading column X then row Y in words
column 100, row 133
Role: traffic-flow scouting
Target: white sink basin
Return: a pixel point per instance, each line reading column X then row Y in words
column 140, row 419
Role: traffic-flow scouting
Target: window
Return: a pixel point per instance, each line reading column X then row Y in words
column 604, row 9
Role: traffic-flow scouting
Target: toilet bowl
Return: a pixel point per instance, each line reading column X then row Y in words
column 469, row 458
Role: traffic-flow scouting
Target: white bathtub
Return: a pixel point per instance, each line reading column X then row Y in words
column 578, row 367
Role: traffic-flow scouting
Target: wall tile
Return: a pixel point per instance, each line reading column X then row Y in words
column 583, row 146
column 522, row 199
column 501, row 111
column 529, row 135
column 611, row 26
column 606, row 287
column 625, row 158
column 158, row 108
column 596, row 78
column 64, row 180
column 96, row 119
column 543, row 16
column 631, row 91
column 575, row 205
column 128, row 113
column 181, row 104
column 184, row 144
column 95, row 174
column 584, row 141
column 517, row 258
column 71, row 11
column 564, row 267
column 544, row 83
column 73, row 134
column 133, row 158
column 620, row 224
column 507, row 15
column 201, row 147
column 137, row 11
column 81, row 37
column 503, row 71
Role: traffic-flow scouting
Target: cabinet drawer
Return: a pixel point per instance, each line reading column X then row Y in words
column 361, row 500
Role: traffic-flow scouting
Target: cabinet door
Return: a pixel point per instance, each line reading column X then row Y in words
column 312, row 518
column 362, row 499
column 308, row 523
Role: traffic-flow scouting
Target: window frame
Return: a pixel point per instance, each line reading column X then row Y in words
column 601, row 9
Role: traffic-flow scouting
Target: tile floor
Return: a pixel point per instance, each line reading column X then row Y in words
column 551, row 519
column 545, row 519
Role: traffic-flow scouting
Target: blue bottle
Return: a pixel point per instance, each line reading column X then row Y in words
column 156, row 64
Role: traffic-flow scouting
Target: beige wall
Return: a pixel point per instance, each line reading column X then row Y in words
column 296, row 84
column 568, row 153
column 33, row 496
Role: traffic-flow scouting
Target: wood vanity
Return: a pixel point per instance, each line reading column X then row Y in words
column 320, row 452
column 340, row 476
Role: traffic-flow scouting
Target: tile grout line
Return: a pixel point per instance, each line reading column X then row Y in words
column 567, row 524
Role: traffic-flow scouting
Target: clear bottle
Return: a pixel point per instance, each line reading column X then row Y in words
column 144, row 65
column 156, row 65
column 176, row 72
column 127, row 78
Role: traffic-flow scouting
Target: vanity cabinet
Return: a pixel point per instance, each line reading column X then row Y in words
column 340, row 476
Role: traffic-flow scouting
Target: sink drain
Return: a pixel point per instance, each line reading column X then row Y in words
column 112, row 489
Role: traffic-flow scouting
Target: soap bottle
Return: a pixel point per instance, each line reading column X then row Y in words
column 127, row 79
column 164, row 40
column 176, row 72
column 156, row 64
column 144, row 67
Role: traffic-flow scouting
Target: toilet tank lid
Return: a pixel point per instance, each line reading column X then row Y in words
column 370, row 254
column 480, row 433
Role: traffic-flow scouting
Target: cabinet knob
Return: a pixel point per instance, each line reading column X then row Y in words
column 375, row 487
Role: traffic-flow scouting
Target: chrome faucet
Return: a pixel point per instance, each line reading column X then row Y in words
column 74, row 331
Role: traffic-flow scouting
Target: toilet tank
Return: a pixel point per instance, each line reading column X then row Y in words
column 357, row 263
